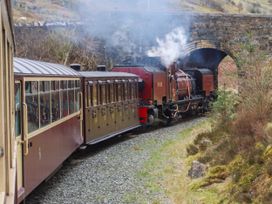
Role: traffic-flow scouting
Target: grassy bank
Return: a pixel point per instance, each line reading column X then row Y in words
column 165, row 173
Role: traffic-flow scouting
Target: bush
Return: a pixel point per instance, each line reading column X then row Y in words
column 241, row 135
column 224, row 108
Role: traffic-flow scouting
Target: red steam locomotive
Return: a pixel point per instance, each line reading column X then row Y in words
column 169, row 94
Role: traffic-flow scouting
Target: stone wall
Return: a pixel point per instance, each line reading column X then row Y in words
column 225, row 29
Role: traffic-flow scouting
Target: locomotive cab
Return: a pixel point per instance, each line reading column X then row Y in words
column 152, row 90
column 204, row 81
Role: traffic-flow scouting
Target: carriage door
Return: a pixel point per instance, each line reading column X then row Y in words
column 118, row 108
column 110, row 107
column 103, row 109
column 19, row 135
column 91, row 117
column 127, row 110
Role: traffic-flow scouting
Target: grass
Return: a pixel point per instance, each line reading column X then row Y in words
column 165, row 174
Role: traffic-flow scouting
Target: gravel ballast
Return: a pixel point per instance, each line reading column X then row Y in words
column 105, row 173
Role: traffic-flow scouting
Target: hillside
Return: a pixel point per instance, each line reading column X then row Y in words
column 62, row 10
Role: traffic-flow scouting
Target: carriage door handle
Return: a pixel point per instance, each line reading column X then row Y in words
column 94, row 114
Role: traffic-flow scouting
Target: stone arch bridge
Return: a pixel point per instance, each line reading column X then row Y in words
column 214, row 36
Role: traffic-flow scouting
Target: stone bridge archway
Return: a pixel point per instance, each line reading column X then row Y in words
column 206, row 54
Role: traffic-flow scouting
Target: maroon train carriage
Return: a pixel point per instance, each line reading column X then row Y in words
column 110, row 104
column 169, row 94
column 47, row 118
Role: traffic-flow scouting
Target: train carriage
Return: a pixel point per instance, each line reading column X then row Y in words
column 7, row 141
column 48, row 118
column 110, row 104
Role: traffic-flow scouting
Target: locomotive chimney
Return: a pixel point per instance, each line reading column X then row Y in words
column 101, row 68
column 75, row 67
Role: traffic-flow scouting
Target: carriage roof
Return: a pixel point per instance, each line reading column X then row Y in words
column 38, row 68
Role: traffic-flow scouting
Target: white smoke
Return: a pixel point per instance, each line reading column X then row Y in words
column 171, row 47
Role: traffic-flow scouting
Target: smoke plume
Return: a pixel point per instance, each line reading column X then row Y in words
column 171, row 48
column 130, row 28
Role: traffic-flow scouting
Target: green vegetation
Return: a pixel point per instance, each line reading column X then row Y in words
column 240, row 154
column 165, row 173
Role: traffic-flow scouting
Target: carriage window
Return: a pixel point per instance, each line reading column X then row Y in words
column 45, row 112
column 102, row 94
column 90, row 96
column 126, row 91
column 77, row 97
column 123, row 92
column 116, row 92
column 71, row 93
column 64, row 99
column 112, row 93
column 109, row 93
column 18, row 102
column 94, row 101
column 129, row 90
column 55, row 91
column 133, row 91
column 31, row 93
column 136, row 90
column 120, row 92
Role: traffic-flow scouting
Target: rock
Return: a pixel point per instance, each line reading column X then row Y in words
column 197, row 170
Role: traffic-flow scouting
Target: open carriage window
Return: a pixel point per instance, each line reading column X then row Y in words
column 77, row 96
column 18, row 109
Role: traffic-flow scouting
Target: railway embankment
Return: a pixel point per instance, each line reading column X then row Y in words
column 238, row 154
column 122, row 170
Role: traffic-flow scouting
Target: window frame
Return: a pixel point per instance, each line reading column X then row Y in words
column 50, row 80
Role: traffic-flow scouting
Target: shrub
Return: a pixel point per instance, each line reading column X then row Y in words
column 255, row 108
column 224, row 108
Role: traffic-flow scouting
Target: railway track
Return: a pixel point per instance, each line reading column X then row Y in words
column 107, row 172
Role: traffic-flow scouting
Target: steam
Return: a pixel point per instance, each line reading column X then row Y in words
column 130, row 28
column 171, row 48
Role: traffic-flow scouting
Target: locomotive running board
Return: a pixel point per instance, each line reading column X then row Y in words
column 112, row 135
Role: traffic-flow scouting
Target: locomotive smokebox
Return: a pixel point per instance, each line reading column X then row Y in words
column 75, row 67
column 101, row 68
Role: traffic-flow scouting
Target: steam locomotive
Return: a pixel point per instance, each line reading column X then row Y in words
column 168, row 94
